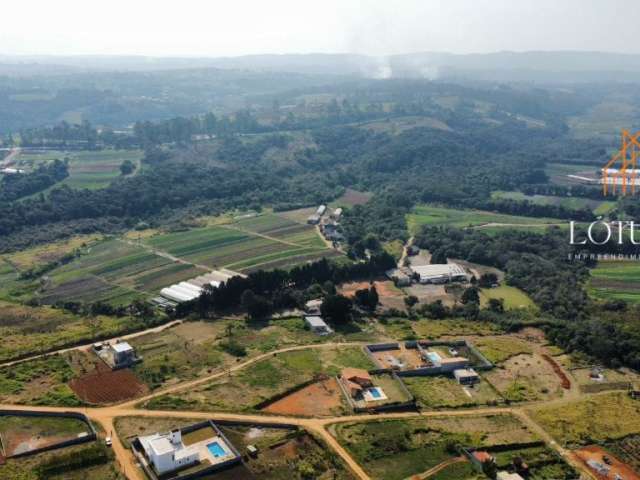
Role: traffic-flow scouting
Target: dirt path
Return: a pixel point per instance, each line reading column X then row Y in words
column 163, row 254
column 8, row 160
column 86, row 345
column 432, row 471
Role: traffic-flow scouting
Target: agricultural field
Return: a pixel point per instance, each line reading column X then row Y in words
column 616, row 280
column 49, row 253
column 432, row 215
column 446, row 392
column 116, row 272
column 513, row 297
column 24, row 434
column 29, row 330
column 253, row 387
column 87, row 169
column 285, row 454
column 258, row 242
column 139, row 264
column 601, row 418
column 598, row 207
column 416, row 445
column 65, row 464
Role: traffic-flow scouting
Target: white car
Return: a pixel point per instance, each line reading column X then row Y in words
column 108, row 442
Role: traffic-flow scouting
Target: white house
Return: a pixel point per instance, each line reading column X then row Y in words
column 508, row 476
column 167, row 453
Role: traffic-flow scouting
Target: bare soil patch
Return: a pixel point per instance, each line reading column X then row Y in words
column 593, row 452
column 107, row 386
column 322, row 398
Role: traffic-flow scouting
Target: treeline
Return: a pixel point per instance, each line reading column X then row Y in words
column 531, row 209
column 537, row 264
column 277, row 289
column 582, row 191
column 19, row 185
column 170, row 184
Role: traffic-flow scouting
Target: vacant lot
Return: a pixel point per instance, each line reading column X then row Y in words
column 28, row 330
column 618, row 469
column 256, row 384
column 616, row 280
column 513, row 297
column 38, row 382
column 23, row 434
column 322, row 398
column 525, row 377
column 397, row 449
column 29, row 468
column 432, row 215
column 390, row 296
column 446, row 392
column 500, row 349
column 597, row 419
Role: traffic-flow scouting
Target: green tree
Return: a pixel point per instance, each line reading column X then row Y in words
column 127, row 167
column 337, row 309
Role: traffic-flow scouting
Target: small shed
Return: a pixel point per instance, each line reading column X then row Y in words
column 317, row 324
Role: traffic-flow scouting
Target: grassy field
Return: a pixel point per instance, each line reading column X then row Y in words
column 87, row 169
column 28, row 330
column 38, row 382
column 243, row 390
column 445, row 392
column 432, row 215
column 499, row 349
column 618, row 280
column 397, row 449
column 597, row 419
column 27, row 468
column 599, row 207
column 513, row 297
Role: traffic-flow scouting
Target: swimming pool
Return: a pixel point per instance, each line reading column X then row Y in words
column 434, row 357
column 216, row 450
column 375, row 392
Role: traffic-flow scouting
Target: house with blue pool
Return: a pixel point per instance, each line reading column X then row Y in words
column 189, row 452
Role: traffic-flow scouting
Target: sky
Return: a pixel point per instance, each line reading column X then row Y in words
column 375, row 27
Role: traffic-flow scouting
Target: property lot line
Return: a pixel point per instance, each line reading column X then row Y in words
column 85, row 345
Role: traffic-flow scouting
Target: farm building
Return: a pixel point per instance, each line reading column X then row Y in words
column 181, row 292
column 116, row 355
column 450, row 272
column 399, row 277
column 313, row 219
column 337, row 213
column 313, row 306
column 321, row 210
column 466, row 376
column 355, row 381
column 317, row 324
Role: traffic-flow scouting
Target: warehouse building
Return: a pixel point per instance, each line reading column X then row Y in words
column 450, row 272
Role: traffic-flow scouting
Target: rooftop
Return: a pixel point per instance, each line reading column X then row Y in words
column 350, row 373
column 482, row 456
column 122, row 347
column 454, row 360
column 438, row 270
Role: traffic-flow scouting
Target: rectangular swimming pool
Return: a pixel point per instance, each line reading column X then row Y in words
column 434, row 357
column 375, row 392
column 216, row 450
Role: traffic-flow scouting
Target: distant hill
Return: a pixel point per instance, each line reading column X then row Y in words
column 538, row 66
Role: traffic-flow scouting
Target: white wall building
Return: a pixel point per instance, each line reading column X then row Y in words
column 167, row 453
column 317, row 324
column 449, row 272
